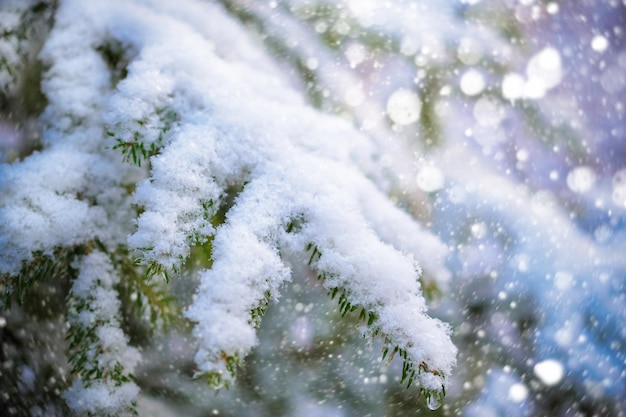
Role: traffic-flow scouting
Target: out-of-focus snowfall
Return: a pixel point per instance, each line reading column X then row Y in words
column 504, row 128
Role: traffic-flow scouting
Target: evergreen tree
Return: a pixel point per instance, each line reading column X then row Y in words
column 270, row 196
column 167, row 129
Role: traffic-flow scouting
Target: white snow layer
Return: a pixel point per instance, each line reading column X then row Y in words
column 94, row 288
column 234, row 122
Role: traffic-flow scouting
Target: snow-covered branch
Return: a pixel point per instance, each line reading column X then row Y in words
column 179, row 112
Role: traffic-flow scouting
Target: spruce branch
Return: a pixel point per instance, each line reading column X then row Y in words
column 146, row 297
column 410, row 367
column 233, row 162
column 99, row 354
column 56, row 265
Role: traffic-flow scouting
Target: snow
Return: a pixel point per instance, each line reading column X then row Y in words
column 101, row 398
column 219, row 119
column 403, row 107
column 472, row 82
column 518, row 392
column 505, row 143
column 549, row 371
column 94, row 287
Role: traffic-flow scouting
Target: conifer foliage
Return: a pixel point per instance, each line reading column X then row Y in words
column 168, row 127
